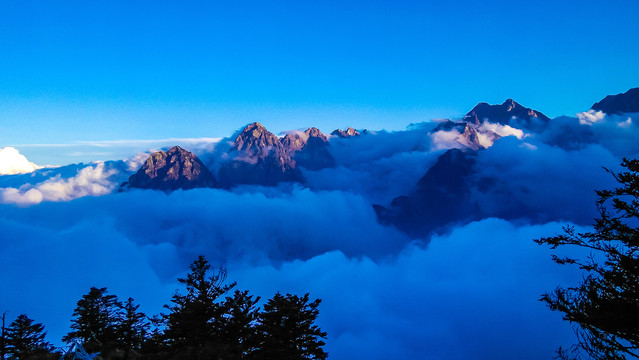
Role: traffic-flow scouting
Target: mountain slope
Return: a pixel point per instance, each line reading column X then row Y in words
column 442, row 196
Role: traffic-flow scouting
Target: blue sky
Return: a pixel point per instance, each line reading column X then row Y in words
column 93, row 71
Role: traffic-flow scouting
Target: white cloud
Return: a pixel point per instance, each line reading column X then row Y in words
column 136, row 161
column 503, row 130
column 90, row 181
column 625, row 124
column 443, row 140
column 590, row 117
column 470, row 294
column 12, row 162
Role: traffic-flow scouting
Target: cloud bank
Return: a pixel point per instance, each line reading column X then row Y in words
column 469, row 292
column 92, row 180
column 12, row 162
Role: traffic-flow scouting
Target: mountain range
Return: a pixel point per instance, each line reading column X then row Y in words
column 441, row 196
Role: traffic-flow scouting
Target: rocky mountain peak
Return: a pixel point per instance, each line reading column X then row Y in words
column 255, row 140
column 510, row 104
column 258, row 157
column 172, row 170
column 309, row 149
column 345, row 133
column 627, row 102
column 316, row 133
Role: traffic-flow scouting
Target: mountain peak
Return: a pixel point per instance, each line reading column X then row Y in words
column 510, row 104
column 627, row 102
column 259, row 158
column 345, row 133
column 171, row 170
column 255, row 140
column 503, row 114
column 316, row 133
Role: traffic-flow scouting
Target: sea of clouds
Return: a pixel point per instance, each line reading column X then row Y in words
column 470, row 292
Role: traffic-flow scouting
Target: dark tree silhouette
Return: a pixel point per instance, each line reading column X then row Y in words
column 26, row 340
column 95, row 321
column 132, row 330
column 238, row 325
column 192, row 326
column 287, row 329
column 3, row 337
column 605, row 305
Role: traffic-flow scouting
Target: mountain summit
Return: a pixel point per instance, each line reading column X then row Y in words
column 258, row 158
column 506, row 114
column 627, row 102
column 309, row 149
column 171, row 170
column 255, row 141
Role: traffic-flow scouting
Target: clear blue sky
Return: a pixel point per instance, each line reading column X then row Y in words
column 107, row 70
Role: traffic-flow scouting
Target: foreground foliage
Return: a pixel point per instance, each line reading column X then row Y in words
column 605, row 305
column 205, row 322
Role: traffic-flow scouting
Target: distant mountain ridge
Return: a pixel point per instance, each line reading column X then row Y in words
column 627, row 102
column 508, row 113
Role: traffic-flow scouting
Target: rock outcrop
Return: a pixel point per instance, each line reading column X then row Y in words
column 627, row 102
column 171, row 170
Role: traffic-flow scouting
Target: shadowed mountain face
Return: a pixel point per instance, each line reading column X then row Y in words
column 508, row 113
column 442, row 197
column 258, row 158
column 627, row 102
column 172, row 170
column 309, row 149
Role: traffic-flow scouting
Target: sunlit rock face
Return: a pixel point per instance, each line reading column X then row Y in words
column 442, row 196
column 345, row 133
column 258, row 158
column 309, row 149
column 627, row 102
column 172, row 170
column 508, row 113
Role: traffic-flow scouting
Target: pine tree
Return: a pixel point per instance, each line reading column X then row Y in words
column 238, row 324
column 95, row 321
column 132, row 331
column 193, row 323
column 287, row 331
column 26, row 340
column 605, row 305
